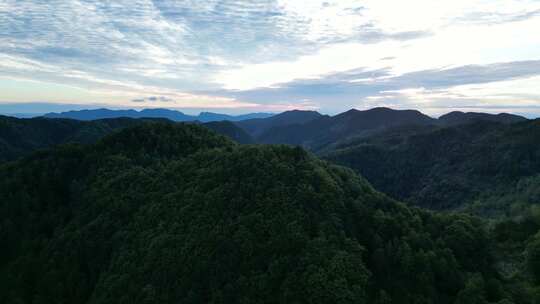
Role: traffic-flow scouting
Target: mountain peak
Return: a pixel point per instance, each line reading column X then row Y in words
column 458, row 117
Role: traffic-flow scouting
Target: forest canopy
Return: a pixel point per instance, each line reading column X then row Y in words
column 168, row 213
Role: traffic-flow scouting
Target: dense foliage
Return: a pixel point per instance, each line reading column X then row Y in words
column 518, row 251
column 20, row 137
column 165, row 213
column 484, row 166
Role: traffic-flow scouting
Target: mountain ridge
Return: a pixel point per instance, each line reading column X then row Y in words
column 458, row 117
column 22, row 136
column 101, row 113
column 325, row 130
column 309, row 129
column 257, row 126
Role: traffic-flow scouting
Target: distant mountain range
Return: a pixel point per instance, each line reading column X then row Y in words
column 308, row 129
column 315, row 131
column 153, row 113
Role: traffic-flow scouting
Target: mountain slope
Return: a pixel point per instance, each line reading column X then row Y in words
column 230, row 130
column 20, row 137
column 326, row 130
column 168, row 213
column 446, row 168
column 256, row 127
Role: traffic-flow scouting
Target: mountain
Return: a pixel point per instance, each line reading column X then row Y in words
column 20, row 137
column 317, row 133
column 230, row 130
column 456, row 118
column 209, row 116
column 309, row 129
column 174, row 213
column 163, row 113
column 475, row 165
column 94, row 114
column 256, row 127
column 152, row 113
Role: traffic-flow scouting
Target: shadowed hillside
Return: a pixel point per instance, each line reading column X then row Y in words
column 446, row 168
column 458, row 118
column 164, row 213
column 326, row 130
column 256, row 127
column 20, row 137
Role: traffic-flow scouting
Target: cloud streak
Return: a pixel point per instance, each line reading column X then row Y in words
column 153, row 99
column 366, row 88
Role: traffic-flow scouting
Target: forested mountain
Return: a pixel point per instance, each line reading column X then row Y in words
column 256, row 127
column 153, row 113
column 448, row 168
column 230, row 130
column 317, row 132
column 458, row 118
column 174, row 213
column 20, row 137
column 326, row 130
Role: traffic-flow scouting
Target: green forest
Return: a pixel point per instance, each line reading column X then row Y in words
column 164, row 212
column 489, row 168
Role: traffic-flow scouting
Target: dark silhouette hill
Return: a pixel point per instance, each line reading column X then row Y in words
column 458, row 118
column 256, row 127
column 317, row 133
column 230, row 130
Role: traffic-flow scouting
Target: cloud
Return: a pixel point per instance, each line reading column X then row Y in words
column 494, row 17
column 331, row 54
column 153, row 99
column 366, row 88
column 469, row 74
column 171, row 44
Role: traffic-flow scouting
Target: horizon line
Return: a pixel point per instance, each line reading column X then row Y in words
column 79, row 108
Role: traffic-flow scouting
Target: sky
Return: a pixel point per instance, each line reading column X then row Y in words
column 237, row 56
